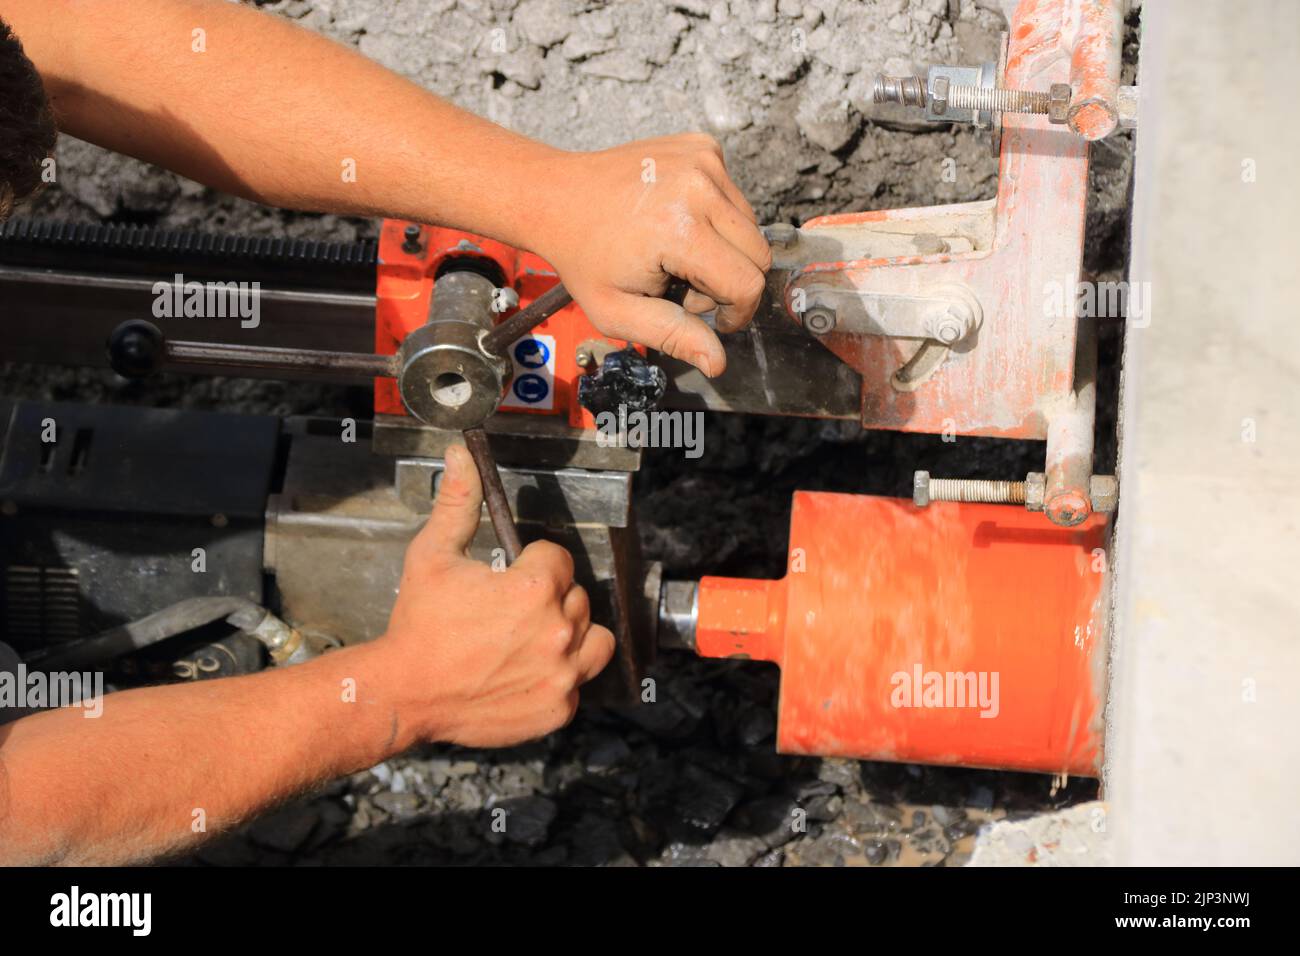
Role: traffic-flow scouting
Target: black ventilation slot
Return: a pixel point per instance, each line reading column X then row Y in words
column 80, row 451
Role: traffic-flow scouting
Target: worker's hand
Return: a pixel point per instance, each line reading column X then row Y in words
column 628, row 218
column 487, row 658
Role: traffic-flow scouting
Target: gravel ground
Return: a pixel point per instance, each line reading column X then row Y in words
column 692, row 780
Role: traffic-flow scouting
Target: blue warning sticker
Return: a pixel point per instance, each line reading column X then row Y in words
column 530, row 388
column 532, row 353
column 533, row 358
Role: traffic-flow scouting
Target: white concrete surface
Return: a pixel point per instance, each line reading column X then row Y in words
column 1075, row 836
column 1205, row 725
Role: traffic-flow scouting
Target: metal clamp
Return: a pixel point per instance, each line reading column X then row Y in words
column 949, row 314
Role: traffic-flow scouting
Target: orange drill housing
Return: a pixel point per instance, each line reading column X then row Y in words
column 406, row 273
column 964, row 634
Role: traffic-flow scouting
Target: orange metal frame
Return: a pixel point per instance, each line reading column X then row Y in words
column 1020, row 366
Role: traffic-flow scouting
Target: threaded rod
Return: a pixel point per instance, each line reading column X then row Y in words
column 912, row 91
column 987, row 99
column 976, row 489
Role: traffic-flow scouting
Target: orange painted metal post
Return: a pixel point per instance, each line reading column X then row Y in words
column 961, row 634
column 1095, row 68
column 1070, row 435
column 1019, row 258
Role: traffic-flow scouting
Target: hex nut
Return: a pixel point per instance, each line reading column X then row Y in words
column 921, row 489
column 948, row 330
column 954, row 325
column 1058, row 102
column 960, row 318
column 1103, row 491
column 1035, row 490
column 939, row 96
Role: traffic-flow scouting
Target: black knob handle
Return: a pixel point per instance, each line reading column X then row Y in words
column 135, row 348
column 624, row 379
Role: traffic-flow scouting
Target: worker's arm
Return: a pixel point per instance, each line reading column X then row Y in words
column 471, row 656
column 255, row 105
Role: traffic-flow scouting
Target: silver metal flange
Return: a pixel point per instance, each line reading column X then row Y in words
column 446, row 378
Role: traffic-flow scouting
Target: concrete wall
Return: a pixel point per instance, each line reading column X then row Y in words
column 785, row 86
column 1205, row 725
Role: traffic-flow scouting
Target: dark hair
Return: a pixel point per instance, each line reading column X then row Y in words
column 27, row 130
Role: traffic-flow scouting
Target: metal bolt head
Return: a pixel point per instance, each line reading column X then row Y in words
column 782, row 235
column 591, row 353
column 939, row 96
column 921, row 489
column 411, row 239
column 1035, row 490
column 819, row 320
column 948, row 330
column 1058, row 102
column 1104, row 492
column 954, row 325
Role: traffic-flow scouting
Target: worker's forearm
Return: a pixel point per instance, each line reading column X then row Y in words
column 254, row 105
column 162, row 767
column 257, row 106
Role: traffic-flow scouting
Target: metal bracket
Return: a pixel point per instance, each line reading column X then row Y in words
column 572, row 496
column 948, row 315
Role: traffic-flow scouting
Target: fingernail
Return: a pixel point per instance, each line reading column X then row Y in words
column 703, row 362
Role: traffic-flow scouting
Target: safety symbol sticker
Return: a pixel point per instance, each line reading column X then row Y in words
column 532, row 353
column 534, row 365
